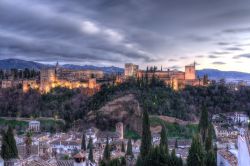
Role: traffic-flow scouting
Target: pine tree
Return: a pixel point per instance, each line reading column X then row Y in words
column 83, row 145
column 196, row 152
column 129, row 148
column 164, row 140
column 203, row 124
column 146, row 136
column 106, row 153
column 123, row 147
column 91, row 158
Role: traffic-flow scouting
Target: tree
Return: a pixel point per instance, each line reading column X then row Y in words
column 164, row 139
column 106, row 153
column 123, row 147
column 129, row 148
column 176, row 143
column 139, row 161
column 210, row 158
column 83, row 145
column 174, row 160
column 9, row 149
column 28, row 143
column 91, row 158
column 203, row 124
column 146, row 136
column 209, row 139
column 196, row 152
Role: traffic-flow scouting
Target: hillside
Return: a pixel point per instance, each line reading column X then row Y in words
column 8, row 64
column 124, row 109
column 233, row 76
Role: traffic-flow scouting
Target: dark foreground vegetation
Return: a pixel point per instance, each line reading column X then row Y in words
column 153, row 96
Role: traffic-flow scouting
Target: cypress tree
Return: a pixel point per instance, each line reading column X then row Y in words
column 196, row 152
column 106, row 153
column 209, row 139
column 12, row 142
column 139, row 161
column 176, row 143
column 123, row 161
column 5, row 152
column 9, row 149
column 146, row 136
column 91, row 158
column 123, row 147
column 129, row 148
column 83, row 145
column 164, row 139
column 28, row 143
column 203, row 124
column 210, row 158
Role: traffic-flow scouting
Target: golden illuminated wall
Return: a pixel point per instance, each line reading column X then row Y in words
column 47, row 79
column 131, row 70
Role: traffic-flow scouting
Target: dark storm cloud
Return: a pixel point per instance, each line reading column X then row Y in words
column 223, row 43
column 234, row 49
column 115, row 31
column 174, row 67
column 220, row 52
column 238, row 30
column 199, row 56
column 172, row 60
column 212, row 56
column 242, row 56
column 218, row 63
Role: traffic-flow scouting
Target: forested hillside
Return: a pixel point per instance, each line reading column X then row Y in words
column 152, row 95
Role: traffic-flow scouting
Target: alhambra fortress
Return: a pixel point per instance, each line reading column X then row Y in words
column 93, row 79
column 174, row 78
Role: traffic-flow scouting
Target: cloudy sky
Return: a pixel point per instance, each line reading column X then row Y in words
column 171, row 33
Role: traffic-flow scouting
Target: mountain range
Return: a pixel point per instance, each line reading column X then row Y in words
column 233, row 76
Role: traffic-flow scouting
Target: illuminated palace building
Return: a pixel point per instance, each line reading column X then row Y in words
column 174, row 78
column 54, row 77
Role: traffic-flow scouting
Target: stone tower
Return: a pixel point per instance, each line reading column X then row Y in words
column 119, row 129
column 190, row 72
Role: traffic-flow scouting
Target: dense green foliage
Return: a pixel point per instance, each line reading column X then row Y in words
column 130, row 134
column 106, row 152
column 159, row 155
column 164, row 139
column 129, row 148
column 196, row 155
column 152, row 95
column 175, row 130
column 8, row 149
column 90, row 147
column 21, row 125
column 114, row 162
column 146, row 136
column 83, row 143
column 202, row 151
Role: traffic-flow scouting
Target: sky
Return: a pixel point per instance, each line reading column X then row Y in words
column 167, row 33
